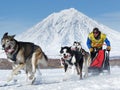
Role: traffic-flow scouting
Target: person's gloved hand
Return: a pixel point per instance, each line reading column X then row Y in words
column 91, row 49
column 108, row 48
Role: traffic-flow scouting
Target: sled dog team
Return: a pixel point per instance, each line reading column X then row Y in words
column 76, row 56
column 27, row 56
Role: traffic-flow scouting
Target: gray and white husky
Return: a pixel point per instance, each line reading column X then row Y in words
column 23, row 55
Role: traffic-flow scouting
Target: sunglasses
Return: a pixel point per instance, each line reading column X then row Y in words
column 95, row 32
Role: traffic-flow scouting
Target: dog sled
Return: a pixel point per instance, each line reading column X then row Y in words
column 100, row 63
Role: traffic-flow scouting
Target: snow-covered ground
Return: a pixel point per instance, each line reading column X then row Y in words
column 51, row 79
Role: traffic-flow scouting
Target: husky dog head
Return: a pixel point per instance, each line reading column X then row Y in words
column 66, row 52
column 76, row 46
column 8, row 43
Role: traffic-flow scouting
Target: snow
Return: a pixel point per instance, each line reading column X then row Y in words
column 51, row 79
column 2, row 53
column 60, row 29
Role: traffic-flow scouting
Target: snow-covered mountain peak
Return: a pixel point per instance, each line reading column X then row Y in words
column 63, row 28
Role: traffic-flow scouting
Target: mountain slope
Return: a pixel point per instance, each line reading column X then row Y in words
column 65, row 27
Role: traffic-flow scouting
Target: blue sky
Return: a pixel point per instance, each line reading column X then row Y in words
column 17, row 16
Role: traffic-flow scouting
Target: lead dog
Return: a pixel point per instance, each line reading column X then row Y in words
column 24, row 55
column 71, row 58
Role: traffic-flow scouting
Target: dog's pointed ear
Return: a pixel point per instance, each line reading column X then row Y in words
column 79, row 43
column 6, row 34
column 69, row 48
column 61, row 49
column 13, row 36
column 75, row 41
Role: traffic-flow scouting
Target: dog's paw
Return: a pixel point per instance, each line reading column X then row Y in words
column 31, row 77
column 9, row 79
column 16, row 73
column 31, row 81
column 86, row 75
column 78, row 73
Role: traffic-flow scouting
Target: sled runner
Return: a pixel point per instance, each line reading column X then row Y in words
column 100, row 63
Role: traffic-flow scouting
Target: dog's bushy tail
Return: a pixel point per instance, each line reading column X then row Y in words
column 46, row 58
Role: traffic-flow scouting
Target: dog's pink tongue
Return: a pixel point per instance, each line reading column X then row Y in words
column 6, row 49
column 72, row 48
column 65, row 56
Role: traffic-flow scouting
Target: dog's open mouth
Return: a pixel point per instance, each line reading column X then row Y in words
column 8, row 49
column 73, row 48
column 66, row 56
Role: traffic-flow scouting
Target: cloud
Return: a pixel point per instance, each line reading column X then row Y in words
column 111, row 20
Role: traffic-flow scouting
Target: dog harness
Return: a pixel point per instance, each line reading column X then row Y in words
column 13, row 58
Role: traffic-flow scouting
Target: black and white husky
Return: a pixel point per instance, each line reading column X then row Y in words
column 75, row 56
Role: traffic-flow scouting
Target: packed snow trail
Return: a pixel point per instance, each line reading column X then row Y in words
column 52, row 79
